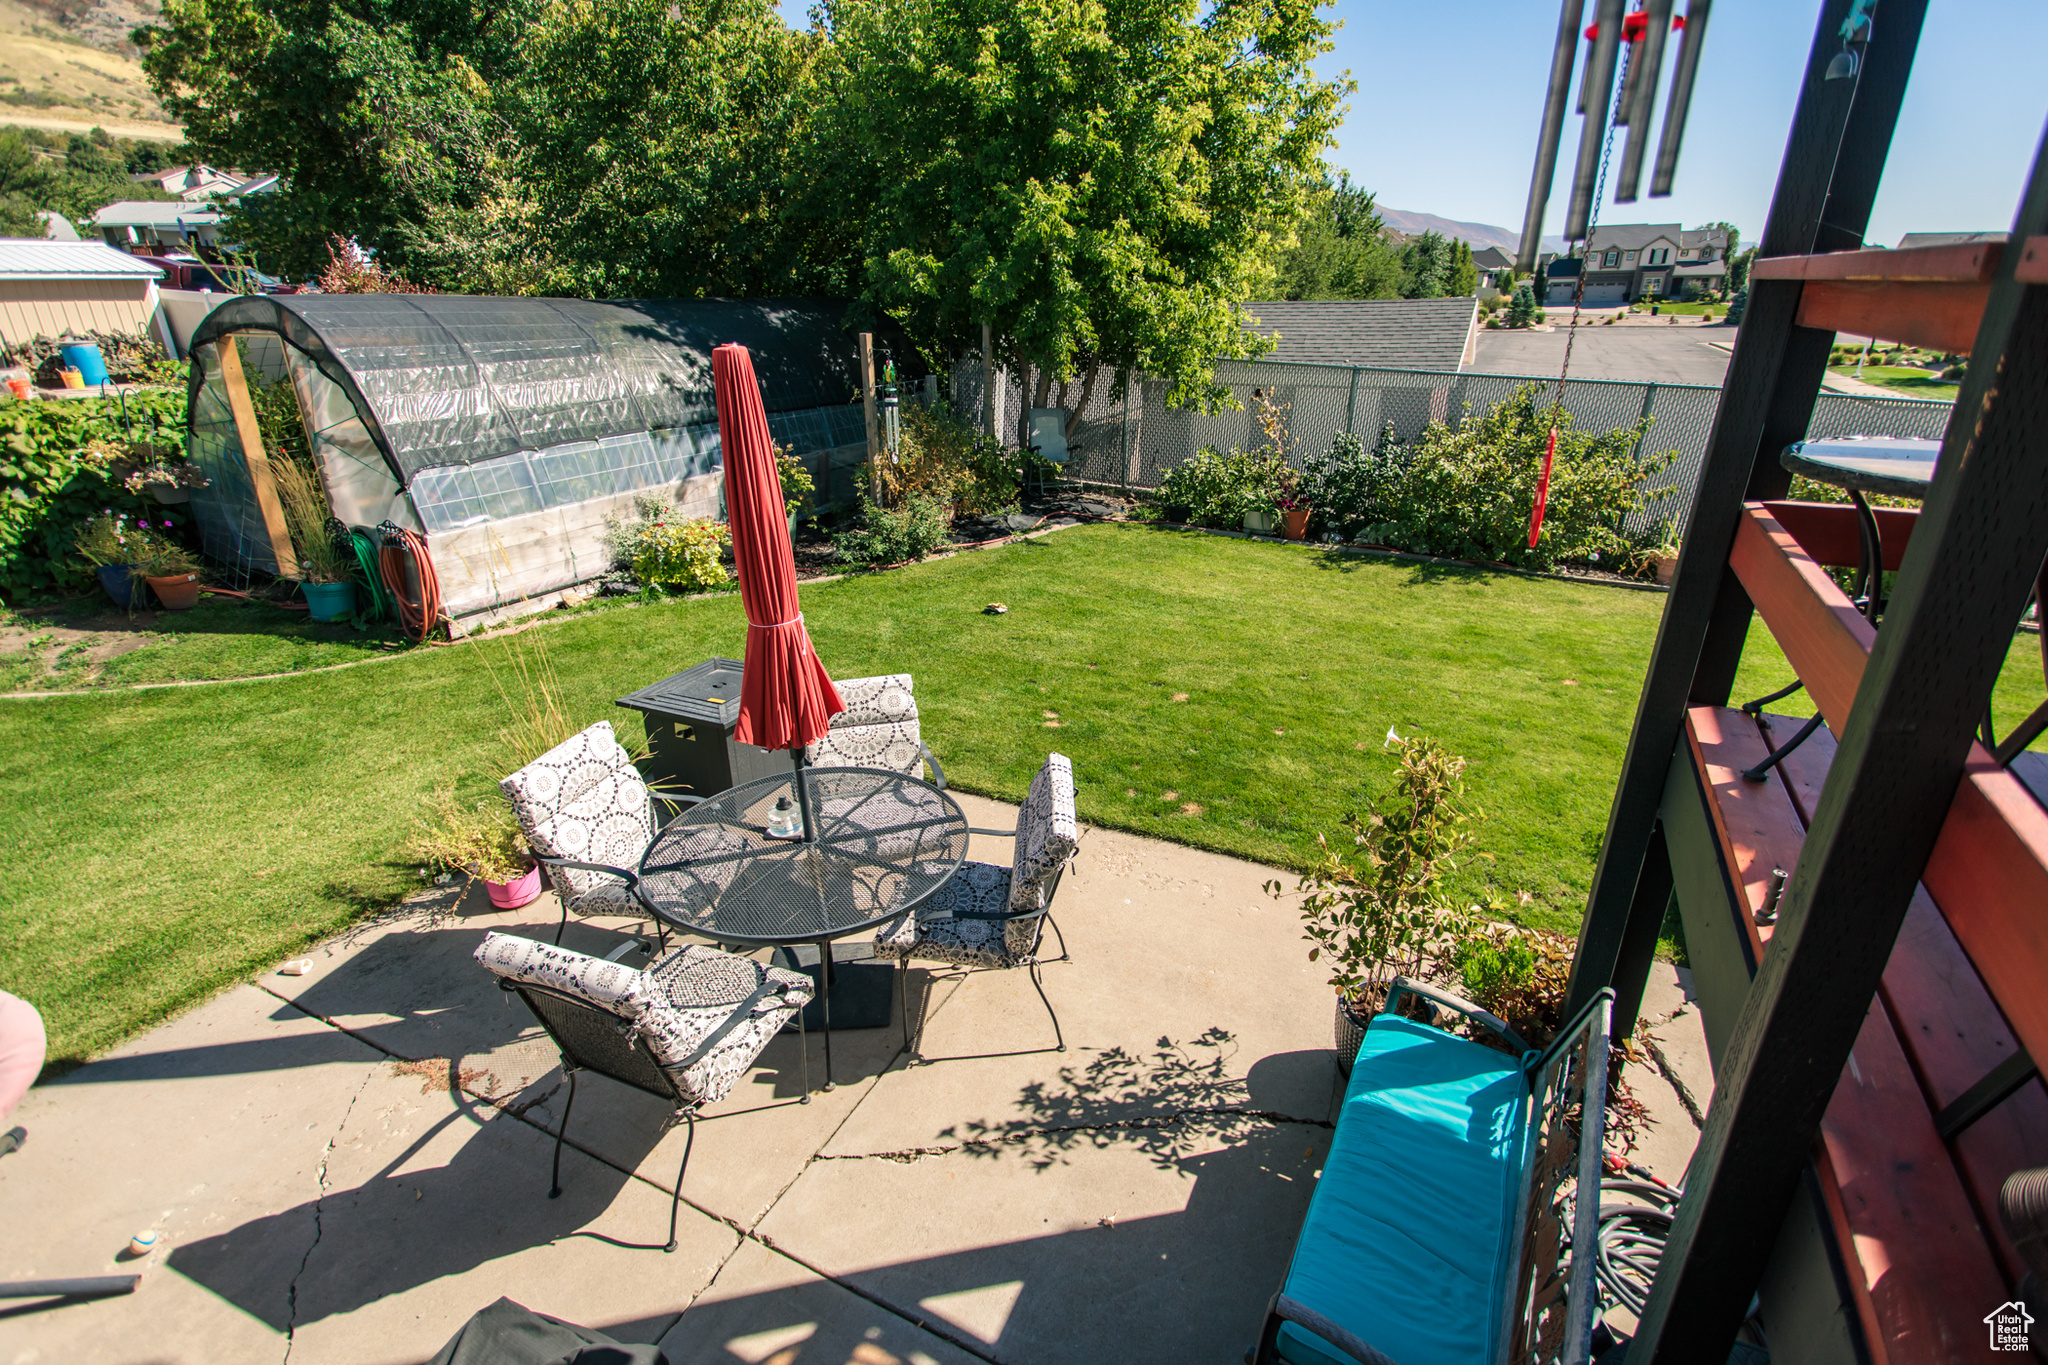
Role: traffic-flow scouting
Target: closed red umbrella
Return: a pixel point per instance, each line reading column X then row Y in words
column 786, row 698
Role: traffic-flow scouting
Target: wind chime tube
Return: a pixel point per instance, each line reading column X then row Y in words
column 1599, row 88
column 1644, row 69
column 1691, row 36
column 1562, row 60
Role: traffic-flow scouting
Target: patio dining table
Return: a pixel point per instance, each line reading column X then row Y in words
column 1893, row 466
column 881, row 843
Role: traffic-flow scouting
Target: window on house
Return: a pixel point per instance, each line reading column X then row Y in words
column 1631, row 256
column 1614, row 257
column 1660, row 255
column 1685, row 253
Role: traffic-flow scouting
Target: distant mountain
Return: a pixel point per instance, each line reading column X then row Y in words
column 1478, row 234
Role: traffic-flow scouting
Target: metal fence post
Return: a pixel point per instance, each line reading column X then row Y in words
column 1351, row 408
column 1649, row 397
column 1124, row 446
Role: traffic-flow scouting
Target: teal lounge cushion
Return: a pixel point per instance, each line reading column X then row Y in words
column 1406, row 1240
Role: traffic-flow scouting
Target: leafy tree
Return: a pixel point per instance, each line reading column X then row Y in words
column 1738, row 271
column 1429, row 263
column 1464, row 274
column 1340, row 250
column 1102, row 184
column 75, row 175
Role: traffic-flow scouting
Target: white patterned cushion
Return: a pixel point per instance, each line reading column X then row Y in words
column 886, row 700
column 585, row 801
column 929, row 933
column 894, row 746
column 675, row 1004
column 1048, row 833
column 608, row 985
column 696, row 989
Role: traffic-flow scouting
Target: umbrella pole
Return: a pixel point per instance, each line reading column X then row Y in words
column 803, row 792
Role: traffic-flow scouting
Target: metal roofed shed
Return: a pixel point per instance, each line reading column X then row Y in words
column 505, row 430
column 49, row 288
column 144, row 221
column 1391, row 334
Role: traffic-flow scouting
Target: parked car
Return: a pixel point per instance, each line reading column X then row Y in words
column 189, row 272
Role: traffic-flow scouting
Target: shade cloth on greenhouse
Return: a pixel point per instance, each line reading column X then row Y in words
column 451, row 379
column 787, row 700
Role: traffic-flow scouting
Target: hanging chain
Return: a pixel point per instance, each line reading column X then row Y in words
column 1593, row 221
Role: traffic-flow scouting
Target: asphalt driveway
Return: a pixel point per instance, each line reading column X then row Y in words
column 1647, row 354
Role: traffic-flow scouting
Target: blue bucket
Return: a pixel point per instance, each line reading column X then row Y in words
column 84, row 357
column 123, row 584
column 331, row 601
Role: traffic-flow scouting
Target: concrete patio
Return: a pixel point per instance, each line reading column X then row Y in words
column 344, row 1166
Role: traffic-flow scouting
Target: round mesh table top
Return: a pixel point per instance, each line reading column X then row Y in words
column 882, row 843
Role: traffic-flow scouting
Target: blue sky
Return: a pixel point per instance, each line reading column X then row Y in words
column 1449, row 98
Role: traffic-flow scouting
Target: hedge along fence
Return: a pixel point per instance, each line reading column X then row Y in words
column 1133, row 440
column 50, row 485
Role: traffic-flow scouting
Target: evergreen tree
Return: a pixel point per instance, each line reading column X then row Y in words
column 1522, row 307
column 1464, row 274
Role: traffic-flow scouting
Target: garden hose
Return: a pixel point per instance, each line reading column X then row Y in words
column 380, row 608
column 400, row 549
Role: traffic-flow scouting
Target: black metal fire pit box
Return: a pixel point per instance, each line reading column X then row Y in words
column 689, row 718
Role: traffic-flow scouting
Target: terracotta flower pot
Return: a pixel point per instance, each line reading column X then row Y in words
column 179, row 592
column 1297, row 523
column 1666, row 567
column 513, row 894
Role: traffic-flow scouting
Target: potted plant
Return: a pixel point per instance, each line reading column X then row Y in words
column 482, row 842
column 1381, row 911
column 129, row 551
column 326, row 569
column 1291, row 504
column 1663, row 560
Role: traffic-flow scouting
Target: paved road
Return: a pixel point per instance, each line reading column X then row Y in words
column 1662, row 355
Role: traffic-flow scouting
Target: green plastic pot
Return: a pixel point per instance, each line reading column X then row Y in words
column 331, row 601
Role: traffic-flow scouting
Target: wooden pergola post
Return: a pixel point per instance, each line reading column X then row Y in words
column 255, row 457
column 867, row 402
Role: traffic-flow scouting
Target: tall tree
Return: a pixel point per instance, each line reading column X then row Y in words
column 1427, row 264
column 1101, row 181
column 1340, row 249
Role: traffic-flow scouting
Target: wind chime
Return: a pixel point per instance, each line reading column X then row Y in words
column 1624, row 62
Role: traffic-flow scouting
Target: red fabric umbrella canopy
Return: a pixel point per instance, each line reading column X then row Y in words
column 786, row 697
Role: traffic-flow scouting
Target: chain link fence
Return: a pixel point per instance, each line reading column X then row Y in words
column 1131, row 441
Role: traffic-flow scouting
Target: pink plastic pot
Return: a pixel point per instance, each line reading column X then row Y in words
column 512, row 895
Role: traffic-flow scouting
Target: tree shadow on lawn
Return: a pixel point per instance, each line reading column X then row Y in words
column 1423, row 571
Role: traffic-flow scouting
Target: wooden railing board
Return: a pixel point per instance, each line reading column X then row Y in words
column 1824, row 637
column 1954, row 263
column 1827, row 531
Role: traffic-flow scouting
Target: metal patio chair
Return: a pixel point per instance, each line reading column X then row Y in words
column 878, row 729
column 683, row 1030
column 990, row 916
column 588, row 816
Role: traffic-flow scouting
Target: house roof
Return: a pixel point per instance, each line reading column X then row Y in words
column 1913, row 239
column 1393, row 334
column 1563, row 268
column 1635, row 236
column 1492, row 258
column 137, row 213
column 36, row 258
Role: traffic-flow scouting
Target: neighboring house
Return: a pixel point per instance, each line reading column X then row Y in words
column 1393, row 334
column 1496, row 269
column 50, row 288
column 193, row 184
column 1628, row 262
column 1913, row 239
column 158, row 227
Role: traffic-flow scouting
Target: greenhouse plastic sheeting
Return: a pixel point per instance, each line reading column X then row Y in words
column 456, row 380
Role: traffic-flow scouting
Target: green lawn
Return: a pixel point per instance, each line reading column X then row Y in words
column 1690, row 310
column 1908, row 380
column 1228, row 694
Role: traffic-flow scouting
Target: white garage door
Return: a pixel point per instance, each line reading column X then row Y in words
column 1605, row 295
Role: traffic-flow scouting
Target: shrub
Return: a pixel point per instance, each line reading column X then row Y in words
column 1347, row 484
column 1467, row 491
column 1218, row 489
column 131, row 358
column 797, row 485
column 483, row 841
column 1386, row 914
column 114, row 538
column 1738, row 305
column 683, row 555
column 55, row 472
column 940, row 456
column 311, row 524
column 896, row 535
